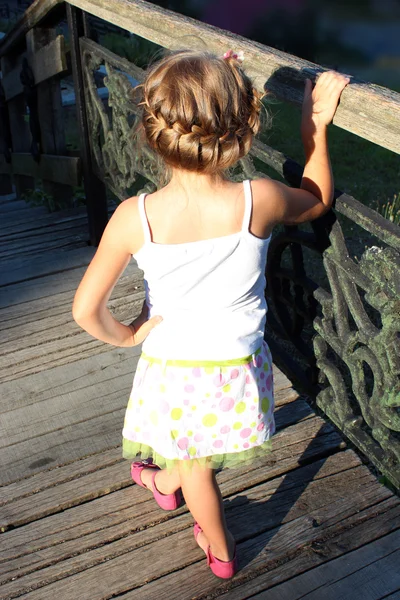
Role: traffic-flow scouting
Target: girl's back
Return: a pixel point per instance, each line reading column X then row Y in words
column 204, row 273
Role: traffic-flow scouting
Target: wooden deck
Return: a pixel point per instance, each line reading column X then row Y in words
column 310, row 519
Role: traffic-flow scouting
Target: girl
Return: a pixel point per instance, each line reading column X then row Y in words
column 202, row 396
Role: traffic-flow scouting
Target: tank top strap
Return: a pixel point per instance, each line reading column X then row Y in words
column 143, row 219
column 248, row 205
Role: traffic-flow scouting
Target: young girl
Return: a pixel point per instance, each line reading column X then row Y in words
column 202, row 396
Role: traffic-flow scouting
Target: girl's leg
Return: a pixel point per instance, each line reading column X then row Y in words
column 204, row 500
column 165, row 483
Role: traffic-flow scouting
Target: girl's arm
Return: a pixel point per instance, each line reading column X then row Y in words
column 113, row 254
column 283, row 204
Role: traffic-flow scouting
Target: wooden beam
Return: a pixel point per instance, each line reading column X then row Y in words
column 367, row 110
column 45, row 63
column 61, row 169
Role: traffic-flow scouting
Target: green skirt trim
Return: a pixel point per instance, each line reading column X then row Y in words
column 233, row 362
column 138, row 451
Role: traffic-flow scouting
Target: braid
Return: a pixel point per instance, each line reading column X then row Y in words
column 206, row 118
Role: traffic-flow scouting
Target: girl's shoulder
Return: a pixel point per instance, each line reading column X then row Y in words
column 127, row 220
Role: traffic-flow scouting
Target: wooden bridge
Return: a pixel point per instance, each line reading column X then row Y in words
column 312, row 519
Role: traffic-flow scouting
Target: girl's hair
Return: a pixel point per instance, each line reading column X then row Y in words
column 200, row 112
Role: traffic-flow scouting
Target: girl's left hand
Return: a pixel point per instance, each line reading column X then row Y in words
column 142, row 325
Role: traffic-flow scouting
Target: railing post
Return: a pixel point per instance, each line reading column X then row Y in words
column 95, row 190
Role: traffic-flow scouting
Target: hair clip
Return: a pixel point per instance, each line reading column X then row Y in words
column 239, row 56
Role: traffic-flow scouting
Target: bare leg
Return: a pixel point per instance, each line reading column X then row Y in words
column 165, row 483
column 204, row 500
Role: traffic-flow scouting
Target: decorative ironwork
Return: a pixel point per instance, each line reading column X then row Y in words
column 117, row 157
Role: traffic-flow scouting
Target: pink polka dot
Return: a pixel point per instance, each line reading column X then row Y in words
column 248, row 379
column 245, row 432
column 269, row 382
column 219, row 380
column 234, row 373
column 218, row 444
column 218, row 394
column 198, row 437
column 260, row 427
column 262, row 375
column 248, row 394
column 253, row 407
column 163, row 407
column 246, row 445
column 196, row 372
column 183, row 443
column 259, row 361
column 225, row 429
column 263, row 389
column 260, row 416
column 226, row 403
column 189, row 388
column 186, row 401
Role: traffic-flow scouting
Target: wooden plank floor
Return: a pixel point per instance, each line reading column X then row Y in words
column 310, row 519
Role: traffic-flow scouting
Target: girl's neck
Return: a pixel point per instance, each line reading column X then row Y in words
column 195, row 183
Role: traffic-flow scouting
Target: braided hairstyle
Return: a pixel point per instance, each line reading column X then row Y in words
column 200, row 112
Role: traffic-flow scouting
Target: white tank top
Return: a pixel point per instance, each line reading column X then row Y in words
column 210, row 293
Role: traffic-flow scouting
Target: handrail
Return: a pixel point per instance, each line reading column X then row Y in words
column 367, row 110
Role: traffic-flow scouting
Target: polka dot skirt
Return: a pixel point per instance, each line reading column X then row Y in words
column 223, row 414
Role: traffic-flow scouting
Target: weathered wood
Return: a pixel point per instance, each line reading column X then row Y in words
column 284, row 74
column 61, row 169
column 368, row 573
column 372, row 523
column 27, row 268
column 277, row 523
column 111, row 518
column 45, row 63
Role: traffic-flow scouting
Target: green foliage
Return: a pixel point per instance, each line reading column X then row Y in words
column 137, row 50
column 39, row 197
column 391, row 210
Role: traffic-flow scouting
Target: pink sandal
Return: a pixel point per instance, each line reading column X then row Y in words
column 164, row 501
column 220, row 568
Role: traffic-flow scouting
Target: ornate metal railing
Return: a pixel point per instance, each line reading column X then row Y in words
column 339, row 341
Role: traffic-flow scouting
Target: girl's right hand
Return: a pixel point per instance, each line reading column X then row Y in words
column 320, row 103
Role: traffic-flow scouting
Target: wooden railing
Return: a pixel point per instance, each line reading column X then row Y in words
column 343, row 339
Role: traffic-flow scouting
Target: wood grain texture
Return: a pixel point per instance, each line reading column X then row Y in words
column 272, row 518
column 368, row 110
column 61, row 169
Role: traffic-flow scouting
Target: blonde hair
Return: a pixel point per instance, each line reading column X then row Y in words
column 199, row 112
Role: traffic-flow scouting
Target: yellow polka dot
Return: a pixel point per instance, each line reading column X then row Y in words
column 255, row 399
column 209, row 370
column 253, row 424
column 266, row 366
column 208, row 395
column 176, row 414
column 194, row 407
column 209, row 420
column 253, row 439
column 174, row 434
column 237, row 425
column 265, row 404
column 137, row 428
column 185, row 378
column 226, row 388
column 190, row 433
column 235, row 446
column 240, row 407
column 192, row 451
column 154, row 417
column 214, row 435
column 162, row 388
column 140, row 401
